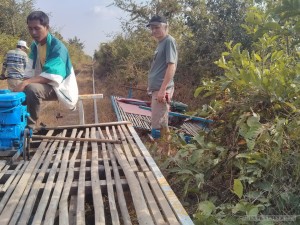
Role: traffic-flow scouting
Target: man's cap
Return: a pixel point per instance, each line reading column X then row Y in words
column 156, row 20
column 22, row 44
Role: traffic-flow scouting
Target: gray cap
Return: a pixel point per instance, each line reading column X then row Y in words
column 156, row 20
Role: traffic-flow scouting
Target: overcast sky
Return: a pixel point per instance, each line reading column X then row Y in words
column 89, row 20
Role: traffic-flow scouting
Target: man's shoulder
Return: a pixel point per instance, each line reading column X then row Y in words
column 57, row 44
column 170, row 37
column 55, row 40
column 12, row 51
column 16, row 52
column 21, row 52
column 168, row 40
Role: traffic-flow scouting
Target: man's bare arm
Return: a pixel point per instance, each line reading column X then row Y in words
column 36, row 79
column 168, row 77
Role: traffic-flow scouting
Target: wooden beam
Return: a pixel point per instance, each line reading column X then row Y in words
column 76, row 139
column 85, row 125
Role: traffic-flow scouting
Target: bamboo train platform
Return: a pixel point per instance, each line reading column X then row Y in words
column 142, row 119
column 73, row 179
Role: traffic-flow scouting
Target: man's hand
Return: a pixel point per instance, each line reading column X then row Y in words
column 2, row 77
column 162, row 96
column 20, row 87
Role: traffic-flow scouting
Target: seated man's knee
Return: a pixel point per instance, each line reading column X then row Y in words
column 30, row 88
column 40, row 91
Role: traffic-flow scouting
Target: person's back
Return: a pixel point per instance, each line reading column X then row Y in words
column 14, row 65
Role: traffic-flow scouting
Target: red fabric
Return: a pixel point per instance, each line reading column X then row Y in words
column 134, row 101
column 135, row 109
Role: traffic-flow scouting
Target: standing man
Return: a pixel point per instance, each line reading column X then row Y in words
column 49, row 67
column 14, row 64
column 160, row 78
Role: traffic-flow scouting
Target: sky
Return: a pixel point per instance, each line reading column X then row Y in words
column 92, row 21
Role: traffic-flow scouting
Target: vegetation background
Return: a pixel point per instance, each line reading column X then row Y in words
column 240, row 59
column 239, row 65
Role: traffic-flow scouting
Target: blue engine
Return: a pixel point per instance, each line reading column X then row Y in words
column 13, row 120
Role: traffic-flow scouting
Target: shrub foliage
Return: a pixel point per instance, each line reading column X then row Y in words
column 245, row 54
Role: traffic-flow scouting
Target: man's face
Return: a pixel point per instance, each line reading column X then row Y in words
column 158, row 31
column 37, row 31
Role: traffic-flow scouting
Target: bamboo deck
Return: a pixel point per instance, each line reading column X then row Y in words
column 81, row 182
column 144, row 122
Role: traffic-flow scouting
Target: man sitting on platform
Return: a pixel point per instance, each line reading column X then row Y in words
column 49, row 67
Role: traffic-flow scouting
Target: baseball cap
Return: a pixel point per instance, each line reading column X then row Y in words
column 22, row 43
column 156, row 20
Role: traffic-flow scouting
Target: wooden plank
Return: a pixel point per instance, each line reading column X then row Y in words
column 127, row 151
column 86, row 125
column 52, row 208
column 172, row 199
column 28, row 188
column 74, row 139
column 154, row 209
column 118, row 183
column 143, row 214
column 76, row 169
column 72, row 210
column 96, row 112
column 80, row 218
column 3, row 171
column 81, row 112
column 11, row 177
column 37, row 219
column 135, row 149
column 161, row 199
column 64, row 218
column 110, row 189
column 13, row 202
column 10, row 189
column 141, row 192
column 88, row 186
column 91, row 96
column 97, row 195
column 2, row 164
column 103, row 183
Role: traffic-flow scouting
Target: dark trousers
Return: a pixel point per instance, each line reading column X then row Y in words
column 35, row 94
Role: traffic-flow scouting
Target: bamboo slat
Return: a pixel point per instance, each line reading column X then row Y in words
column 110, row 189
column 119, row 188
column 79, row 181
column 80, row 218
column 97, row 195
column 51, row 211
column 17, row 194
column 139, row 202
column 63, row 204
